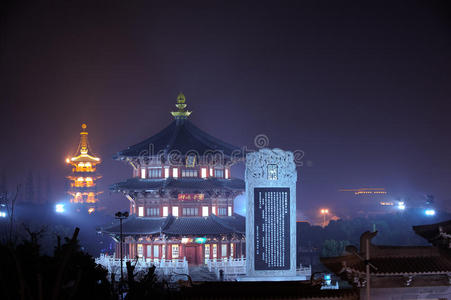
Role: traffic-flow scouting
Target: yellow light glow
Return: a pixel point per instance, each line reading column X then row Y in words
column 91, row 210
column 324, row 211
column 80, row 179
column 67, row 160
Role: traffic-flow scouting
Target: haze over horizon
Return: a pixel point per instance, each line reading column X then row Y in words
column 362, row 88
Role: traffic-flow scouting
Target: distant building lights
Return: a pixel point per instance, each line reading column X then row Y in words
column 401, row 205
column 59, row 208
column 429, row 212
column 2, row 214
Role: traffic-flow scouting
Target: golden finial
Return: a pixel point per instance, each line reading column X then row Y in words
column 181, row 105
column 83, row 126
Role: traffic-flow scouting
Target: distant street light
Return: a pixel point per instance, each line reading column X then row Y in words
column 429, row 212
column 324, row 212
column 401, row 205
column 59, row 208
column 121, row 216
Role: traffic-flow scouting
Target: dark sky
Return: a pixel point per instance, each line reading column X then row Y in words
column 362, row 88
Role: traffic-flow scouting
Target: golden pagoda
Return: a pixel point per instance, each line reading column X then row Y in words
column 83, row 178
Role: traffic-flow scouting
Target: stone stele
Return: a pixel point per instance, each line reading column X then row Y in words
column 270, row 215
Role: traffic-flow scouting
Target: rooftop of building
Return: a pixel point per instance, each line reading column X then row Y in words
column 192, row 184
column 181, row 137
column 175, row 226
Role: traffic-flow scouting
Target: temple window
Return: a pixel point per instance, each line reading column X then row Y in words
column 139, row 250
column 175, row 251
column 190, row 211
column 175, row 211
column 231, row 249
column 148, row 250
column 204, row 211
column 143, row 173
column 222, row 211
column 189, row 173
column 154, row 172
column 163, row 251
column 175, row 172
column 211, row 172
column 229, row 211
column 141, row 211
column 219, row 173
column 153, row 211
column 156, row 251
column 203, row 172
column 224, row 250
column 213, row 210
column 215, row 251
column 227, row 175
column 207, row 251
column 166, row 172
column 165, row 211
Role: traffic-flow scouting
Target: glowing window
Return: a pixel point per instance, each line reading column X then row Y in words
column 211, row 172
column 166, row 172
column 175, row 251
column 224, row 250
column 80, row 179
column 203, row 173
column 163, row 251
column 204, row 211
column 156, row 251
column 155, row 173
column 207, row 251
column 175, row 172
column 219, row 173
column 213, row 210
column 230, row 211
column 215, row 251
column 165, row 211
column 88, row 178
column 141, row 211
column 148, row 250
column 175, row 211
column 143, row 173
column 227, row 173
column 231, row 249
column 139, row 250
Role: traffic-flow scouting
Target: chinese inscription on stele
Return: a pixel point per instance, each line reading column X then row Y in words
column 272, row 228
column 270, row 214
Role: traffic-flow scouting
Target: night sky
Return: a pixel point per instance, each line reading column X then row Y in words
column 362, row 88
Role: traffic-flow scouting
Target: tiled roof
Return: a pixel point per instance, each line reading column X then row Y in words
column 134, row 225
column 170, row 225
column 436, row 264
column 432, row 232
column 410, row 265
column 137, row 184
column 182, row 136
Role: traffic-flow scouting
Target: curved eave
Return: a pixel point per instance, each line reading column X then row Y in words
column 193, row 184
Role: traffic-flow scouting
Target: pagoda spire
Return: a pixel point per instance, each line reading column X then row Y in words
column 83, row 140
column 181, row 105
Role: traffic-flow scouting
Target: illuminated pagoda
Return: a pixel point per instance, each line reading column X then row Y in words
column 181, row 196
column 83, row 187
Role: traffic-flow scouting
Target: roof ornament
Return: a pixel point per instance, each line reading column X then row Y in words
column 181, row 105
column 83, row 140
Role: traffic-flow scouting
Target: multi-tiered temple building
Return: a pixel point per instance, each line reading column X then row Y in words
column 83, row 187
column 181, row 195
